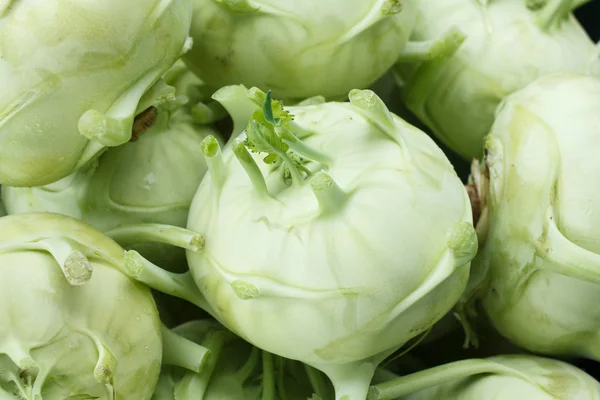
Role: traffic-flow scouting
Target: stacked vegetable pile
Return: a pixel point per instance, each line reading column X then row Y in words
column 291, row 200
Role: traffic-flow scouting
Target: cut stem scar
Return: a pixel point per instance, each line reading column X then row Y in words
column 74, row 264
column 128, row 235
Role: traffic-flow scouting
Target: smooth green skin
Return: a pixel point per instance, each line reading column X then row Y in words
column 297, row 49
column 514, row 377
column 43, row 316
column 152, row 180
column 61, row 59
column 352, row 275
column 506, row 48
column 541, row 257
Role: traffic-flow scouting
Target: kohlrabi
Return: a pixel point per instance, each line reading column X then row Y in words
column 509, row 44
column 540, row 260
column 151, row 180
column 300, row 49
column 74, row 75
column 73, row 324
column 507, row 377
column 335, row 233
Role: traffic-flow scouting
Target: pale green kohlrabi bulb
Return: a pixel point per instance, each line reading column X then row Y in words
column 540, row 261
column 344, row 235
column 506, row 377
column 509, row 44
column 74, row 75
column 152, row 180
column 73, row 324
column 300, row 49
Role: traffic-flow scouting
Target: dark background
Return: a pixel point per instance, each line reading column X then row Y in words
column 589, row 16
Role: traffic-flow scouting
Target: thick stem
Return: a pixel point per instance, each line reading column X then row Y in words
column 178, row 285
column 421, row 380
column 208, row 113
column 252, row 169
column 330, row 196
column 235, row 100
column 565, row 257
column 182, row 352
column 301, row 148
column 268, row 376
column 554, row 13
column 157, row 233
column 432, row 50
column 194, row 385
column 214, row 160
column 249, row 366
column 316, row 380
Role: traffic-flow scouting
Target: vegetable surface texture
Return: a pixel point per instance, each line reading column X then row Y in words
column 73, row 325
column 325, row 242
column 504, row 377
column 509, row 43
column 74, row 75
column 300, row 49
column 541, row 257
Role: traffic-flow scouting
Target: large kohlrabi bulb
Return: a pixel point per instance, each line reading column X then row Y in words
column 332, row 238
column 300, row 49
column 74, row 75
column 509, row 44
column 506, row 377
column 540, row 261
column 152, row 180
column 73, row 324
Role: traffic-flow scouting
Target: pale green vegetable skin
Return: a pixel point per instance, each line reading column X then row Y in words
column 152, row 180
column 542, row 254
column 508, row 378
column 297, row 49
column 106, row 350
column 75, row 71
column 508, row 46
column 343, row 269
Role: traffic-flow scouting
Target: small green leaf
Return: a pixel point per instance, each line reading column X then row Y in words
column 268, row 110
